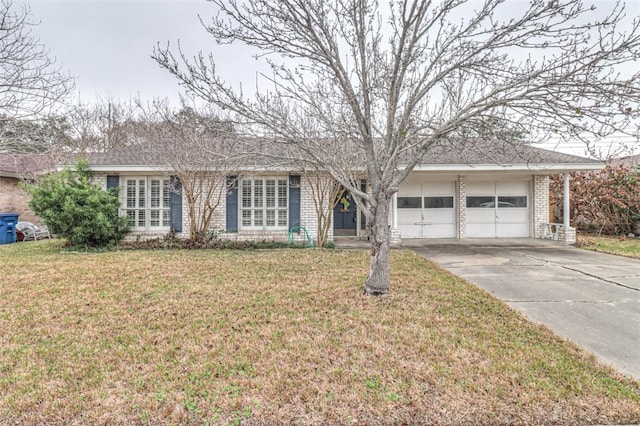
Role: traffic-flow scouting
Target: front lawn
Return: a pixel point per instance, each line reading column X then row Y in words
column 282, row 336
column 623, row 246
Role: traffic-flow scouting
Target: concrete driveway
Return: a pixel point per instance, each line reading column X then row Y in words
column 590, row 298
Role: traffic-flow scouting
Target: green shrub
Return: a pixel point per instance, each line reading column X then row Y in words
column 78, row 210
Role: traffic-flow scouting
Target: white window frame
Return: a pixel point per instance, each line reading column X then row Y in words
column 263, row 203
column 146, row 202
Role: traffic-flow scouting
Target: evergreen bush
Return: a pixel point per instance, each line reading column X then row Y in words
column 75, row 208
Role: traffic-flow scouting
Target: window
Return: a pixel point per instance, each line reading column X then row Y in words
column 512, row 201
column 503, row 201
column 264, row 203
column 147, row 203
column 445, row 202
column 481, row 202
column 409, row 202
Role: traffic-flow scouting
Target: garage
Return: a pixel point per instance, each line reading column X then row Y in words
column 498, row 209
column 426, row 209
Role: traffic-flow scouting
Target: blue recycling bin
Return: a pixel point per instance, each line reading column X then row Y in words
column 8, row 222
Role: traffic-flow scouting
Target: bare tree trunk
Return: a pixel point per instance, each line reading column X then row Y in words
column 377, row 282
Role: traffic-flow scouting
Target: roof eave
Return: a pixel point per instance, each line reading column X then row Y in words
column 123, row 168
column 530, row 167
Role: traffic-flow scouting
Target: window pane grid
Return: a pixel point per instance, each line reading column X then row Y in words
column 150, row 208
column 155, row 193
column 155, row 218
column 258, row 194
column 282, row 218
column 264, row 203
column 282, row 194
column 271, row 218
column 271, row 194
column 166, row 195
column 258, row 218
column 131, row 194
column 141, row 193
column 246, row 193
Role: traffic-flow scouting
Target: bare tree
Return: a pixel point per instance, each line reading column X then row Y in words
column 325, row 192
column 195, row 146
column 104, row 125
column 30, row 83
column 395, row 80
column 34, row 136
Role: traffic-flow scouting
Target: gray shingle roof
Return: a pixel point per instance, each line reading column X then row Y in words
column 499, row 153
column 25, row 165
column 461, row 153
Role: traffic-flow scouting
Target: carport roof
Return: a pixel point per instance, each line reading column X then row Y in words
column 499, row 156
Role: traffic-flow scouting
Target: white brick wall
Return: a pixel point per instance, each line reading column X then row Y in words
column 308, row 215
column 567, row 235
column 540, row 203
column 100, row 179
column 462, row 207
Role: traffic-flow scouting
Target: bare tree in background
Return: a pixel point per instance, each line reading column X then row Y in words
column 198, row 148
column 103, row 126
column 395, row 80
column 31, row 85
column 34, row 136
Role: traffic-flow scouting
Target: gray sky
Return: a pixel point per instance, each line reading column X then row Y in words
column 106, row 44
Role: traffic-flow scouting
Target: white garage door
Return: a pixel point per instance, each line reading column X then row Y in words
column 498, row 209
column 426, row 210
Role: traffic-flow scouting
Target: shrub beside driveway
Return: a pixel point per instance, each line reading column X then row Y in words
column 280, row 336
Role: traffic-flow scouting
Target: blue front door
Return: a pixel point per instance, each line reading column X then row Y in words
column 344, row 215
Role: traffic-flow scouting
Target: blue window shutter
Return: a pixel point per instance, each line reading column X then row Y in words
column 175, row 210
column 113, row 181
column 294, row 201
column 232, row 204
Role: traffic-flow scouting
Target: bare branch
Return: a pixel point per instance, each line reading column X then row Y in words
column 30, row 83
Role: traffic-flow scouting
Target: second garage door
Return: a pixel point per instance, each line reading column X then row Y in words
column 498, row 209
column 426, row 209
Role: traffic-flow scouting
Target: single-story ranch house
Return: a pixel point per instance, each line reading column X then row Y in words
column 487, row 191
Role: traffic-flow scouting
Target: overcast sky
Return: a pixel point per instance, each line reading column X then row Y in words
column 106, row 44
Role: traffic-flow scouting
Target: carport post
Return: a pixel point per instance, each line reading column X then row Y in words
column 566, row 211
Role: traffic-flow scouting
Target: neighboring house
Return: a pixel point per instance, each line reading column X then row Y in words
column 17, row 168
column 484, row 190
column 628, row 161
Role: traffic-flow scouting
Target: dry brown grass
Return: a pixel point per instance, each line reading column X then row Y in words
column 622, row 246
column 286, row 336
